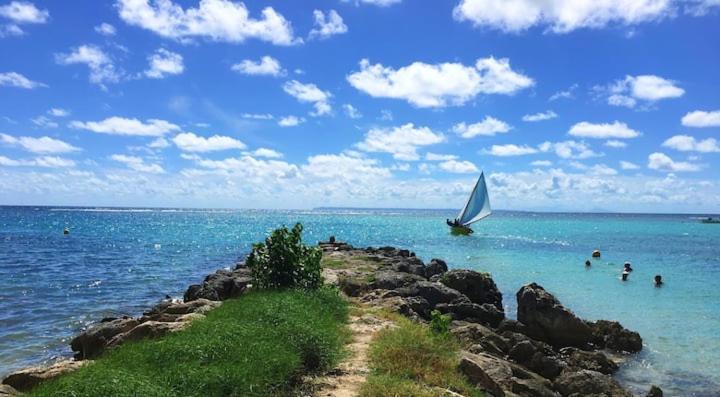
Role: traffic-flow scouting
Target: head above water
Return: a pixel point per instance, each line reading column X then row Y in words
column 658, row 279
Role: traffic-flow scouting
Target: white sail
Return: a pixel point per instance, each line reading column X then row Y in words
column 478, row 205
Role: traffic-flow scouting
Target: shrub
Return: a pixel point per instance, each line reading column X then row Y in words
column 283, row 261
column 439, row 323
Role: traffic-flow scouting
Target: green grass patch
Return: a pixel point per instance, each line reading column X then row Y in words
column 256, row 345
column 332, row 263
column 412, row 361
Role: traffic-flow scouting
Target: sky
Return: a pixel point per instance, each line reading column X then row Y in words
column 565, row 105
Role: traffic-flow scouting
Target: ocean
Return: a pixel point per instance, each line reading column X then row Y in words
column 121, row 261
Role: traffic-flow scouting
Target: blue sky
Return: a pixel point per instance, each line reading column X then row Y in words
column 565, row 105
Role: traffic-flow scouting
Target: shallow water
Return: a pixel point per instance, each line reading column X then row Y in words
column 122, row 261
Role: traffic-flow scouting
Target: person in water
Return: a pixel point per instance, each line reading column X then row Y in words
column 658, row 280
column 588, row 263
column 628, row 267
column 625, row 275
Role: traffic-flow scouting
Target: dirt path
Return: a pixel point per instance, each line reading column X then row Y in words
column 347, row 378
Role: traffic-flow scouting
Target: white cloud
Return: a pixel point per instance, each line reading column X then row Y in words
column 426, row 85
column 43, row 144
column 258, row 116
column 458, row 167
column 124, row 126
column 137, row 164
column 163, row 63
column 102, row 69
column 402, row 142
column 256, row 170
column 647, row 88
column 159, row 143
column 351, row 111
column 106, row 29
column 439, row 157
column 12, row 79
column 290, row 121
column 217, row 20
column 700, row 118
column 43, row 161
column 566, row 94
column 189, row 142
column 540, row 116
column 569, row 149
column 24, row 12
column 560, row 16
column 602, row 169
column 310, row 93
column 541, row 163
column 511, row 150
column 662, row 162
column 10, row 30
column 379, row 3
column 603, row 131
column 626, row 165
column 699, row 8
column 267, row 153
column 488, row 127
column 57, row 112
column 326, row 26
column 686, row 143
column 44, row 122
column 267, row 66
column 343, row 166
column 386, row 115
column 621, row 100
column 615, row 144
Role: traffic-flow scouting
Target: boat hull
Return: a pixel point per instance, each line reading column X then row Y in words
column 460, row 230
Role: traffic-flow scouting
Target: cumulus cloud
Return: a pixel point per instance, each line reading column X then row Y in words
column 617, row 129
column 626, row 165
column 102, row 69
column 351, row 111
column 41, row 145
column 686, row 143
column 290, row 121
column 12, row 79
column 163, row 63
column 439, row 157
column 488, row 127
column 402, row 142
column 267, row 153
column 106, row 29
column 310, row 93
column 43, row 161
column 189, row 142
column 327, row 25
column 569, row 149
column 541, row 163
column 700, row 118
column 344, row 166
column 57, row 112
column 559, row 16
column 565, row 94
column 511, row 150
column 458, row 167
column 258, row 116
column 159, row 143
column 267, row 66
column 22, row 12
column 137, row 164
column 662, row 162
column 44, row 122
column 602, row 169
column 646, row 88
column 379, row 3
column 439, row 85
column 540, row 116
column 256, row 170
column 125, row 126
column 217, row 20
column 615, row 144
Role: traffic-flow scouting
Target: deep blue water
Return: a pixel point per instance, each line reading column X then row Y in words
column 122, row 261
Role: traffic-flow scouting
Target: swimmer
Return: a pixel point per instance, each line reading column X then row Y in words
column 628, row 267
column 625, row 275
column 658, row 280
column 588, row 263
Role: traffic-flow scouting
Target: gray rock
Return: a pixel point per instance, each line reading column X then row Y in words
column 481, row 337
column 388, row 279
column 548, row 320
column 412, row 265
column 353, row 286
column 91, row 343
column 478, row 287
column 416, row 305
column 472, row 312
column 592, row 360
column 500, row 377
column 655, row 392
column 8, row 391
column 147, row 330
column 220, row 285
column 436, row 266
column 611, row 335
column 434, row 293
column 588, row 383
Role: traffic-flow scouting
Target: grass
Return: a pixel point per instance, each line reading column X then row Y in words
column 411, row 361
column 332, row 263
column 256, row 345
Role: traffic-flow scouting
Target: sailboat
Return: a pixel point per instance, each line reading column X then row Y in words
column 476, row 208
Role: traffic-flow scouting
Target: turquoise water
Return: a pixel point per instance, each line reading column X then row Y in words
column 122, row 261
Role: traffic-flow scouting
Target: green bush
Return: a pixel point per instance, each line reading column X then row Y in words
column 439, row 323
column 283, row 261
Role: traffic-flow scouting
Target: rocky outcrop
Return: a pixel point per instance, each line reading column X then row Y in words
column 499, row 377
column 588, row 383
column 655, row 392
column 611, row 335
column 478, row 287
column 592, row 360
column 8, row 391
column 91, row 343
column 390, row 279
column 28, row 378
column 435, row 267
column 463, row 310
column 221, row 285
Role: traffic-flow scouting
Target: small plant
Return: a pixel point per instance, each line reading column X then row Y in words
column 283, row 261
column 439, row 323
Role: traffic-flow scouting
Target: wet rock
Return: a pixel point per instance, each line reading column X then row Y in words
column 592, row 360
column 655, row 392
column 434, row 293
column 611, row 335
column 353, row 286
column 91, row 343
column 147, row 330
column 472, row 312
column 388, row 279
column 588, row 383
column 28, row 378
column 479, row 287
column 436, row 266
column 548, row 320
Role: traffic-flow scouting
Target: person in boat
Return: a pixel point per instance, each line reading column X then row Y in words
column 453, row 223
column 658, row 280
column 628, row 268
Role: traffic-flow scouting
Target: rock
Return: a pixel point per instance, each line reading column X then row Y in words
column 611, row 335
column 436, row 266
column 511, row 326
column 479, row 287
column 417, row 305
column 190, row 317
column 220, row 285
column 537, row 357
column 595, row 361
column 481, row 337
column 28, row 378
column 353, row 286
column 500, row 377
column 412, row 265
column 434, row 293
column 8, row 391
column 522, row 352
column 588, row 383
column 472, row 312
column 388, row 279
column 655, row 392
column 89, row 344
column 147, row 330
column 546, row 319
